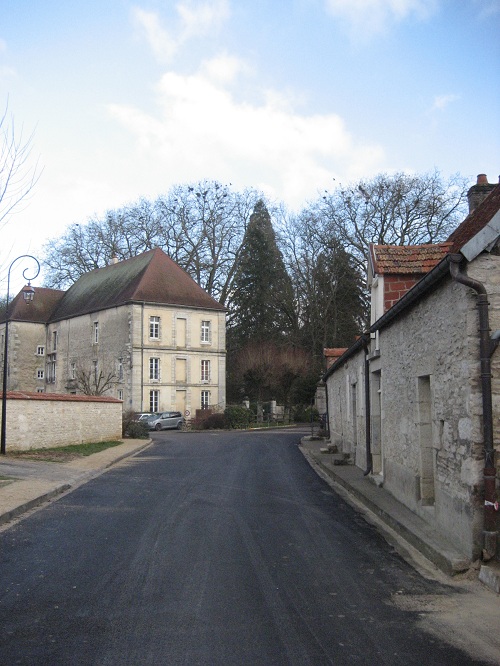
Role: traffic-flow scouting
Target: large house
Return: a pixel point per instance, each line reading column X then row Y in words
column 415, row 402
column 140, row 330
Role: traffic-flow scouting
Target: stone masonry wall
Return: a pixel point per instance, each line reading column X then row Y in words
column 346, row 409
column 426, row 427
column 436, row 345
column 41, row 420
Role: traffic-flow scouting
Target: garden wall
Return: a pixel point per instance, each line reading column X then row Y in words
column 43, row 420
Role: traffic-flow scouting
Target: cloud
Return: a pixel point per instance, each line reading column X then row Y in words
column 487, row 8
column 193, row 19
column 204, row 132
column 442, row 101
column 365, row 18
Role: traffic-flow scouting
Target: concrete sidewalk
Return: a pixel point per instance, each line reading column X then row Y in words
column 31, row 483
column 395, row 516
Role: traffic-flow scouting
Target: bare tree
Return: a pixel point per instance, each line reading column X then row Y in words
column 266, row 370
column 17, row 175
column 200, row 226
column 327, row 283
column 397, row 209
column 95, row 377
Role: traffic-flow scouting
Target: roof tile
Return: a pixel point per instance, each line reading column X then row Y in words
column 476, row 220
column 407, row 259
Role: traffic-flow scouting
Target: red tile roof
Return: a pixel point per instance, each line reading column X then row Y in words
column 476, row 220
column 407, row 259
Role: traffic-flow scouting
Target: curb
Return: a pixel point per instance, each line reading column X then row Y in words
column 442, row 555
column 31, row 504
column 88, row 474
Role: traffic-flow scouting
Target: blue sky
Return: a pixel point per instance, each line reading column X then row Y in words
column 129, row 98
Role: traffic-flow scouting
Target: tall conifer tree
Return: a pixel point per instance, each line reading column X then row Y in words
column 263, row 303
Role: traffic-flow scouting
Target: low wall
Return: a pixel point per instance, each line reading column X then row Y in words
column 43, row 420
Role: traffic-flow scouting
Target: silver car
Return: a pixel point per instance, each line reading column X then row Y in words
column 166, row 420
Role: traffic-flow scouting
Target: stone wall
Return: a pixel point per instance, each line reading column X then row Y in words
column 42, row 420
column 347, row 410
column 26, row 356
column 426, row 406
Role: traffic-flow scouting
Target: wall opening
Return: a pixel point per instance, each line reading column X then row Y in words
column 427, row 455
column 376, row 422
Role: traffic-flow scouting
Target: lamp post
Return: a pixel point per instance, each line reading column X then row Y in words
column 28, row 294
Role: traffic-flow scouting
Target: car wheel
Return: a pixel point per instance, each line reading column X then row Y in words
column 179, row 425
column 158, row 426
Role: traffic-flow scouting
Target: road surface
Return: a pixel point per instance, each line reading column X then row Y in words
column 212, row 549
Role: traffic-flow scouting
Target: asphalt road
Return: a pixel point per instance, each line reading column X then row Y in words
column 212, row 549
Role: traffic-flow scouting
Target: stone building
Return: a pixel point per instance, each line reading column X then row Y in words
column 416, row 400
column 140, row 330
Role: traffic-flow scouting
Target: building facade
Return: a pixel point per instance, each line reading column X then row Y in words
column 140, row 330
column 409, row 402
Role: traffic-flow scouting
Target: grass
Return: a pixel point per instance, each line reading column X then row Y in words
column 64, row 453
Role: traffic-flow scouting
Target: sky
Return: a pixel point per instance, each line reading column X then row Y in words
column 125, row 99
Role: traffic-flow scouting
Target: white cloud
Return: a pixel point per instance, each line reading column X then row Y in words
column 442, row 101
column 224, row 68
column 193, row 19
column 198, row 18
column 487, row 8
column 203, row 132
column 163, row 44
column 365, row 18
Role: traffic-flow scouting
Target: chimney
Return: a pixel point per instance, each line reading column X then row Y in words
column 113, row 260
column 478, row 192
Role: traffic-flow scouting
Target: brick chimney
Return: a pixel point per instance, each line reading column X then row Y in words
column 478, row 192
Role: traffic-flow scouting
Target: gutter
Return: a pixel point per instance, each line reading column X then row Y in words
column 487, row 346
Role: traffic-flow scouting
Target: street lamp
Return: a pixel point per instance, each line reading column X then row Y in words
column 28, row 295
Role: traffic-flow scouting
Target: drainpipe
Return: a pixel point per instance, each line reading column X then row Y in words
column 487, row 346
column 368, row 417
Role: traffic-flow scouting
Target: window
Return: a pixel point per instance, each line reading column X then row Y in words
column 40, row 374
column 205, row 332
column 120, row 369
column 120, row 394
column 205, row 399
column 54, row 340
column 205, row 371
column 40, row 350
column 72, row 370
column 51, row 368
column 96, row 371
column 96, row 332
column 40, row 390
column 154, row 328
column 154, row 401
column 154, row 368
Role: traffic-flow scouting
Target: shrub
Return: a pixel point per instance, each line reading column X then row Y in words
column 302, row 414
column 214, row 422
column 132, row 428
column 238, row 417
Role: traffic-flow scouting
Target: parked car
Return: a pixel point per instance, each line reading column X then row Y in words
column 144, row 416
column 166, row 420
